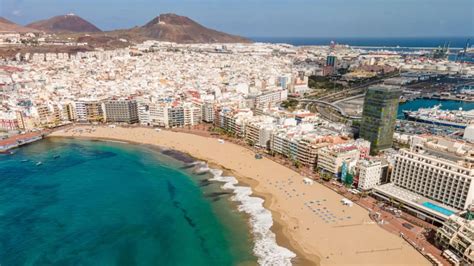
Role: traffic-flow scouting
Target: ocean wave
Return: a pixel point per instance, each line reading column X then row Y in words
column 266, row 248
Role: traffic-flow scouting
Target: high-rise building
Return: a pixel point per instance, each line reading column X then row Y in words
column 379, row 116
column 192, row 114
column 433, row 179
column 176, row 116
column 331, row 60
column 159, row 115
column 88, row 111
column 124, row 111
column 144, row 113
column 208, row 112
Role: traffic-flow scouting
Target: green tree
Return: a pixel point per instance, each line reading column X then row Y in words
column 297, row 163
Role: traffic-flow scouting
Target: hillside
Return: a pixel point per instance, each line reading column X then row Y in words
column 180, row 29
column 9, row 26
column 65, row 23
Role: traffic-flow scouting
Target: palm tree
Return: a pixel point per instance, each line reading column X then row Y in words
column 391, row 201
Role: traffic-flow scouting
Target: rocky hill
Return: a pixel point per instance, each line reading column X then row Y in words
column 180, row 29
column 64, row 23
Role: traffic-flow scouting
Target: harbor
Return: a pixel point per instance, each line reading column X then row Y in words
column 436, row 116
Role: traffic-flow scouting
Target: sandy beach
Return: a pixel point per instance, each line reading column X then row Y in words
column 310, row 220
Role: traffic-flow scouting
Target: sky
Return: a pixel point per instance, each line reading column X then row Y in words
column 269, row 18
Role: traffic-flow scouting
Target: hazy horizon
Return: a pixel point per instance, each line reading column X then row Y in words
column 266, row 18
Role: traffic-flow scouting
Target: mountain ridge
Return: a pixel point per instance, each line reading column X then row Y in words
column 9, row 26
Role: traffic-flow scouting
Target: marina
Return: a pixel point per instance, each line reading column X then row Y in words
column 438, row 117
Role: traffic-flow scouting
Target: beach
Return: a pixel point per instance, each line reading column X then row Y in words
column 310, row 220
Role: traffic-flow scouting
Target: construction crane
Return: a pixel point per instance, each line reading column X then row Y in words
column 461, row 56
column 441, row 52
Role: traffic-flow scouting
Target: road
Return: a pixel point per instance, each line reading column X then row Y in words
column 329, row 101
column 333, row 106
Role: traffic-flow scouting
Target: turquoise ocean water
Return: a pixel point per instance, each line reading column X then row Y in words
column 102, row 203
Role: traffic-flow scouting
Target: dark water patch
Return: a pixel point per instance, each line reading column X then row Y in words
column 188, row 219
column 177, row 155
column 217, row 194
column 204, row 183
column 188, row 166
column 200, row 171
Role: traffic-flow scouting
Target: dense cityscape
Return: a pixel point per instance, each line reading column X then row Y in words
column 328, row 112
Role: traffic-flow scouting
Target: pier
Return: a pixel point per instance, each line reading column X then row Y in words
column 19, row 140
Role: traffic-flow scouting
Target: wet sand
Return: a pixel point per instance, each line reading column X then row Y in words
column 309, row 219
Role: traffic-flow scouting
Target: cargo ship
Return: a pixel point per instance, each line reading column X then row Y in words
column 438, row 117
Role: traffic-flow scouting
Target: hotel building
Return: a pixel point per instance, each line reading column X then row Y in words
column 434, row 178
column 121, row 111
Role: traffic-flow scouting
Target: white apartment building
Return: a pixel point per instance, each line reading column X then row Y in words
column 258, row 131
column 268, row 98
column 81, row 113
column 208, row 112
column 302, row 142
column 307, row 150
column 456, row 238
column 370, row 173
column 234, row 121
column 280, row 142
column 176, row 116
column 144, row 113
column 331, row 158
column 88, row 111
column 192, row 114
column 159, row 115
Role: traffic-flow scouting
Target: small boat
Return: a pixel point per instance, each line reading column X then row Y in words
column 56, row 156
column 39, row 163
column 24, row 161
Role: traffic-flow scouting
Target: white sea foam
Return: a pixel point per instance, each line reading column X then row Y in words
column 266, row 248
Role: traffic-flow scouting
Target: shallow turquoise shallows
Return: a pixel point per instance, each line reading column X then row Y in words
column 102, row 203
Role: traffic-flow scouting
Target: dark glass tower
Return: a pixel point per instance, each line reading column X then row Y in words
column 379, row 116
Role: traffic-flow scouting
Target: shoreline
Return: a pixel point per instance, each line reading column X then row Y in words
column 282, row 237
column 352, row 239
